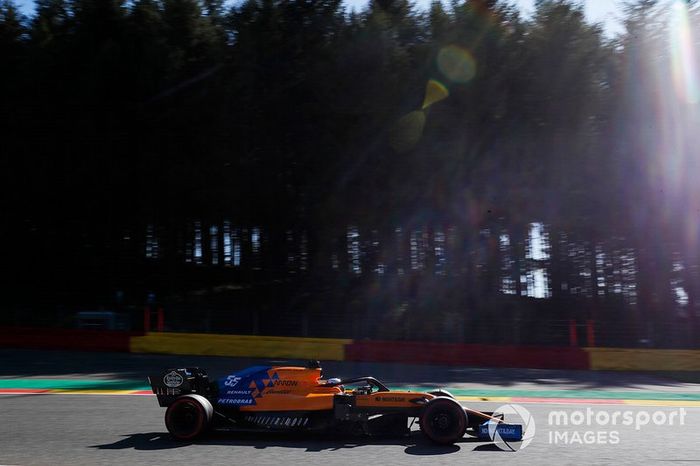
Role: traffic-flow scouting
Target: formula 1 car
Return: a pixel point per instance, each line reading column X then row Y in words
column 298, row 399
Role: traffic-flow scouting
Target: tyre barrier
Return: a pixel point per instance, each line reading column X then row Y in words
column 65, row 339
column 628, row 359
column 330, row 349
column 455, row 354
column 253, row 346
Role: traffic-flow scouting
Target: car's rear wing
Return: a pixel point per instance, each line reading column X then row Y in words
column 172, row 383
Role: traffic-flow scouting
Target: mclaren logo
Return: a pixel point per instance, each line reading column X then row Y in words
column 173, row 379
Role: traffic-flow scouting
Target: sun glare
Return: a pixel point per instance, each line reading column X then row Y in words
column 685, row 77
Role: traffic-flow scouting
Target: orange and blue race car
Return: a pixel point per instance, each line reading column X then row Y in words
column 299, row 399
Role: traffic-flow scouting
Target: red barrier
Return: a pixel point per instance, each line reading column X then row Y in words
column 146, row 319
column 573, row 333
column 536, row 357
column 64, row 339
column 161, row 320
column 590, row 333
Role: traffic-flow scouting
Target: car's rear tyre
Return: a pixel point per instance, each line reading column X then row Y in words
column 443, row 420
column 188, row 417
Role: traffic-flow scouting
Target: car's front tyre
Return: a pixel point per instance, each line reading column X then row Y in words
column 443, row 420
column 441, row 392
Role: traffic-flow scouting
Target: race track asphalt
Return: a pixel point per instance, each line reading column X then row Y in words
column 129, row 430
column 88, row 429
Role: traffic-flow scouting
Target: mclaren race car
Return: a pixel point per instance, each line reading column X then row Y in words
column 299, row 399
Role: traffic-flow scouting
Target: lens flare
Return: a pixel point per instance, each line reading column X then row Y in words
column 685, row 78
column 435, row 91
column 456, row 63
column 407, row 131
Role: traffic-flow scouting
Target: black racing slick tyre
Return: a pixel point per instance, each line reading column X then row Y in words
column 443, row 420
column 188, row 417
column 441, row 392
